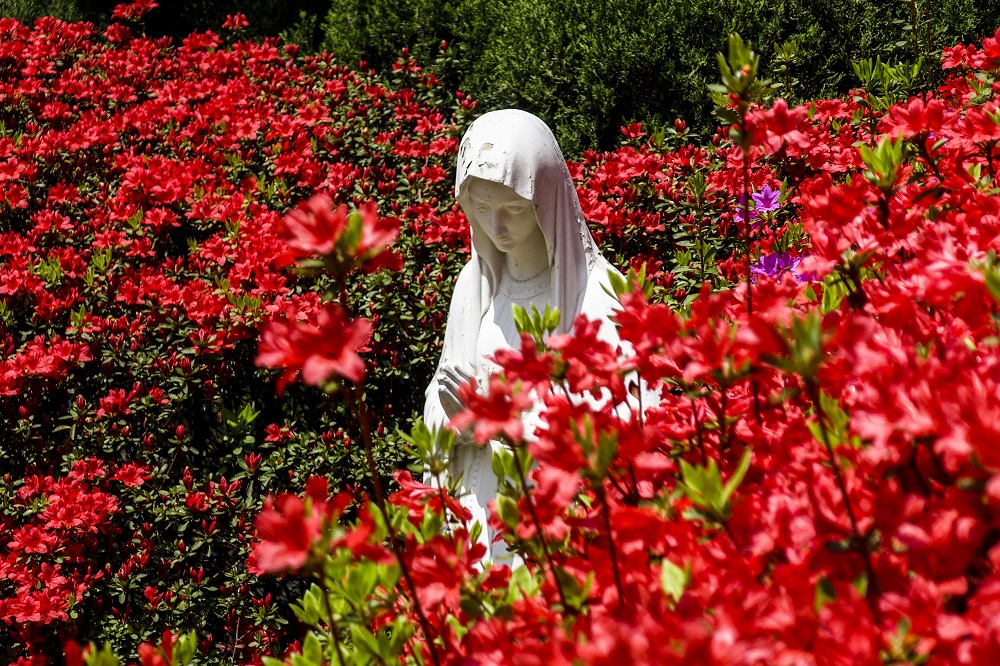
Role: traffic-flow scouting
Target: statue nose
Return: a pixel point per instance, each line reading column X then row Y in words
column 498, row 225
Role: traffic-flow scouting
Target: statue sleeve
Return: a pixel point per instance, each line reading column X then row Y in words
column 460, row 334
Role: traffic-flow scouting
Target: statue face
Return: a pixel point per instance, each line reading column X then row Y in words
column 507, row 218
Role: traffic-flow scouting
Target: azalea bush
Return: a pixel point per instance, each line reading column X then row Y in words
column 225, row 276
column 815, row 481
column 145, row 245
column 141, row 188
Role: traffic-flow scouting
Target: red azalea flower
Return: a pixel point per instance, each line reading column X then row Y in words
column 74, row 654
column 134, row 10
column 131, row 474
column 416, row 496
column 289, row 527
column 197, row 502
column 87, row 469
column 32, row 539
column 527, row 365
column 497, row 412
column 991, row 51
column 236, row 22
column 330, row 347
column 377, row 234
column 314, row 226
column 287, row 530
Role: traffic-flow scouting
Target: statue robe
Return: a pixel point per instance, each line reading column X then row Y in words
column 516, row 149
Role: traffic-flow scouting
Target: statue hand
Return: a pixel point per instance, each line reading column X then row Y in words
column 450, row 379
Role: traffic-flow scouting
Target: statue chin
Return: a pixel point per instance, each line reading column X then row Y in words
column 530, row 246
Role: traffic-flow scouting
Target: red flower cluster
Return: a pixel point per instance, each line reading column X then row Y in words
column 495, row 413
column 361, row 240
column 317, row 351
column 52, row 530
column 816, row 481
column 290, row 529
column 143, row 186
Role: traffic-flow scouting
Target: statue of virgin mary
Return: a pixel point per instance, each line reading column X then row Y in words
column 530, row 246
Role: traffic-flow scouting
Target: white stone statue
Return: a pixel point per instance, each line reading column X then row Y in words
column 530, row 246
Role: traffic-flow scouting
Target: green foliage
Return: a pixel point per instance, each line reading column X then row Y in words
column 674, row 579
column 883, row 162
column 588, row 67
column 375, row 31
column 703, row 485
column 740, row 87
column 27, row 11
column 537, row 324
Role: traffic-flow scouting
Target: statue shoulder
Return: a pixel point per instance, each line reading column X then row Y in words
column 599, row 294
column 467, row 277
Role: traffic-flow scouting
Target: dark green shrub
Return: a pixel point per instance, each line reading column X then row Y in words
column 586, row 66
column 590, row 66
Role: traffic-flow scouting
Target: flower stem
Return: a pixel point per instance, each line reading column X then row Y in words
column 697, row 429
column 334, row 629
column 859, row 541
column 358, row 408
column 606, row 510
column 538, row 525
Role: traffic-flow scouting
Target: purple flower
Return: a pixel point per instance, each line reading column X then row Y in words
column 739, row 211
column 776, row 264
column 767, row 199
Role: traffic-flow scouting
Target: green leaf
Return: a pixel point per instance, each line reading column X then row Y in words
column 311, row 606
column 617, row 283
column 737, row 478
column 825, row 593
column 673, row 579
column 520, row 319
column 104, row 656
column 861, row 583
column 184, row 649
column 365, row 641
column 507, row 510
column 312, row 651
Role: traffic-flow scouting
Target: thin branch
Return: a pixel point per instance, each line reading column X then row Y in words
column 538, row 525
column 858, row 539
column 606, row 510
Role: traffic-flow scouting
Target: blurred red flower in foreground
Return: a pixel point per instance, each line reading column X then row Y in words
column 356, row 240
column 287, row 531
column 290, row 526
column 498, row 412
column 314, row 226
column 150, row 655
column 328, row 347
column 377, row 234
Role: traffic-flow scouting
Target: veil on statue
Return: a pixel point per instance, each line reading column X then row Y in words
column 516, row 149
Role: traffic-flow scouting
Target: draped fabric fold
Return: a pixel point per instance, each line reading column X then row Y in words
column 517, row 149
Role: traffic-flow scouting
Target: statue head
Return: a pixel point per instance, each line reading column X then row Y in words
column 506, row 218
column 508, row 159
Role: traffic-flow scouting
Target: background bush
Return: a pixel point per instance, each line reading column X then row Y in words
column 591, row 66
column 587, row 66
